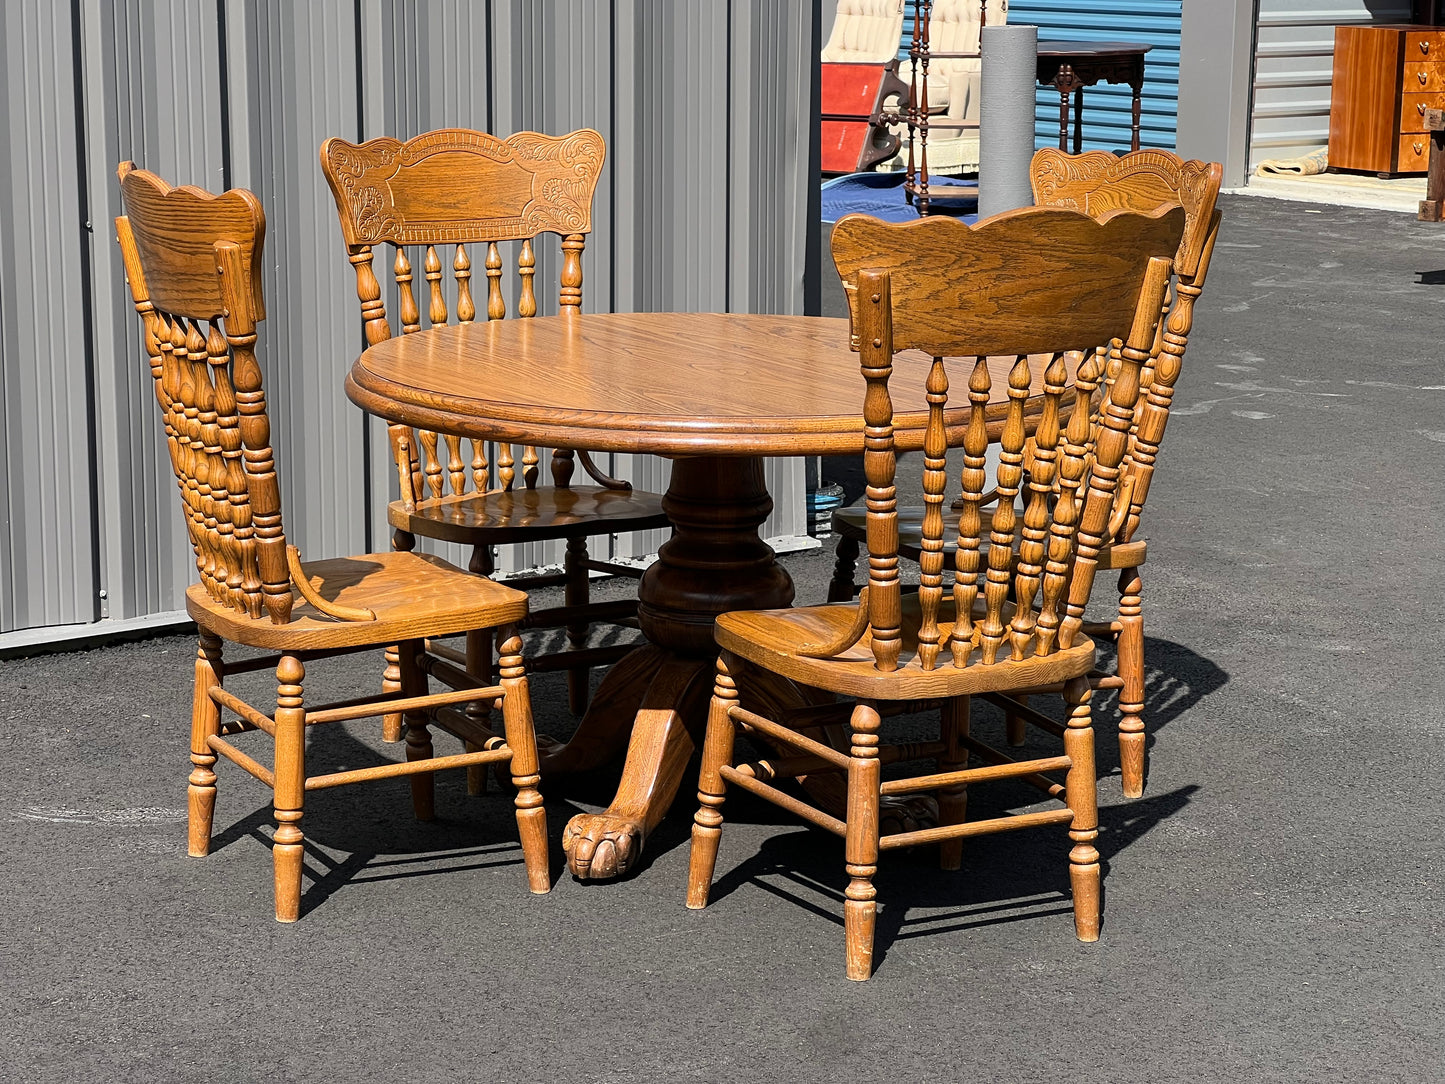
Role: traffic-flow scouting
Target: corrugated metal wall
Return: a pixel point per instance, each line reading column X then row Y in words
column 704, row 205
column 1108, row 108
column 1293, row 67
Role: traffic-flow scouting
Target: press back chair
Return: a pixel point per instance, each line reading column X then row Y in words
column 454, row 188
column 1099, row 184
column 1032, row 282
column 193, row 261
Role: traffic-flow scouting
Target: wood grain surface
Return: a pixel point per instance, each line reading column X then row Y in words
column 667, row 383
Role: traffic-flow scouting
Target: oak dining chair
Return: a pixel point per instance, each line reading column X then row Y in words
column 447, row 190
column 1099, row 184
column 193, row 261
column 1037, row 285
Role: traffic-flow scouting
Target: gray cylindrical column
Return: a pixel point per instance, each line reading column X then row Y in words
column 1006, row 117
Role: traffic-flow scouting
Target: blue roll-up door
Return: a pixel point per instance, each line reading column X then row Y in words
column 1107, row 108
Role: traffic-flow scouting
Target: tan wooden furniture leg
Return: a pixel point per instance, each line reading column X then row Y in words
column 711, row 788
column 1130, row 646
column 418, row 737
column 860, row 907
column 517, row 719
column 290, row 787
column 1080, row 792
column 205, row 723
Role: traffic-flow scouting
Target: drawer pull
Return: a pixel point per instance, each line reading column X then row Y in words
column 1425, row 47
column 1420, row 108
column 1422, row 77
column 1419, row 148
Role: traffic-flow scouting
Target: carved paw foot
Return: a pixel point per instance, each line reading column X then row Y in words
column 601, row 846
column 908, row 813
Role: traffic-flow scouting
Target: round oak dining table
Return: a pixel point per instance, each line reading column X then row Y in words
column 714, row 392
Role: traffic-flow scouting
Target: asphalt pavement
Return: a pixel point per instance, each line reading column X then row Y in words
column 1273, row 905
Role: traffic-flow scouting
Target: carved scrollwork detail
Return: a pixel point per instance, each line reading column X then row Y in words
column 553, row 178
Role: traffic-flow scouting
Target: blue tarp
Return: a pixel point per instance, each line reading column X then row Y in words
column 881, row 195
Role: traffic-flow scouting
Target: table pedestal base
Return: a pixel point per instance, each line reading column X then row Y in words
column 654, row 701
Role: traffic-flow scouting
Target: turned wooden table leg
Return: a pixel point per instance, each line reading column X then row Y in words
column 715, row 562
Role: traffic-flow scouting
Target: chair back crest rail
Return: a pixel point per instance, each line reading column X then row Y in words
column 193, row 263
column 1098, row 183
column 1054, row 284
column 454, row 188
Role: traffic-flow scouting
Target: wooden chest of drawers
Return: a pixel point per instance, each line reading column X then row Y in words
column 1385, row 78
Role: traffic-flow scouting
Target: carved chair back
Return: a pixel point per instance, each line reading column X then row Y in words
column 453, row 188
column 1045, row 287
column 193, row 261
column 1098, row 183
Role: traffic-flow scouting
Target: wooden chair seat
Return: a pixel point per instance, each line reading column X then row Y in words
column 531, row 515
column 411, row 594
column 852, row 522
column 774, row 638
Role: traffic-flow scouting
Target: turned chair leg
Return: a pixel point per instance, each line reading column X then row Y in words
column 1081, row 795
column 953, row 801
column 522, row 740
column 205, row 723
column 576, row 593
column 840, row 589
column 1131, row 670
column 717, row 751
column 860, row 908
column 479, row 666
column 290, row 787
column 402, row 542
column 418, row 737
column 1015, row 730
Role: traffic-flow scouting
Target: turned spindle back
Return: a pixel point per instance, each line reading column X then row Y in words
column 1097, row 183
column 193, row 261
column 1048, row 289
column 438, row 194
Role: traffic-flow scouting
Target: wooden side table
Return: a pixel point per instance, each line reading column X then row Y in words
column 1070, row 66
column 1434, row 202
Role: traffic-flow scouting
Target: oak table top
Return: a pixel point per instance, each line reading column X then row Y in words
column 665, row 383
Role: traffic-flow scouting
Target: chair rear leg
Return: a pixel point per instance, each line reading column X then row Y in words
column 418, row 737
column 391, row 725
column 290, row 787
column 1015, row 730
column 479, row 666
column 840, row 589
column 522, row 740
column 1080, row 792
column 205, row 722
column 860, row 908
column 953, row 801
column 1131, row 670
column 717, row 751
column 576, row 593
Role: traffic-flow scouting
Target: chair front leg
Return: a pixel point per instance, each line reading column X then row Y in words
column 1080, row 792
column 860, row 908
column 522, row 740
column 576, row 593
column 290, row 787
column 205, row 723
column 1131, row 670
column 717, row 751
column 840, row 589
column 418, row 737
